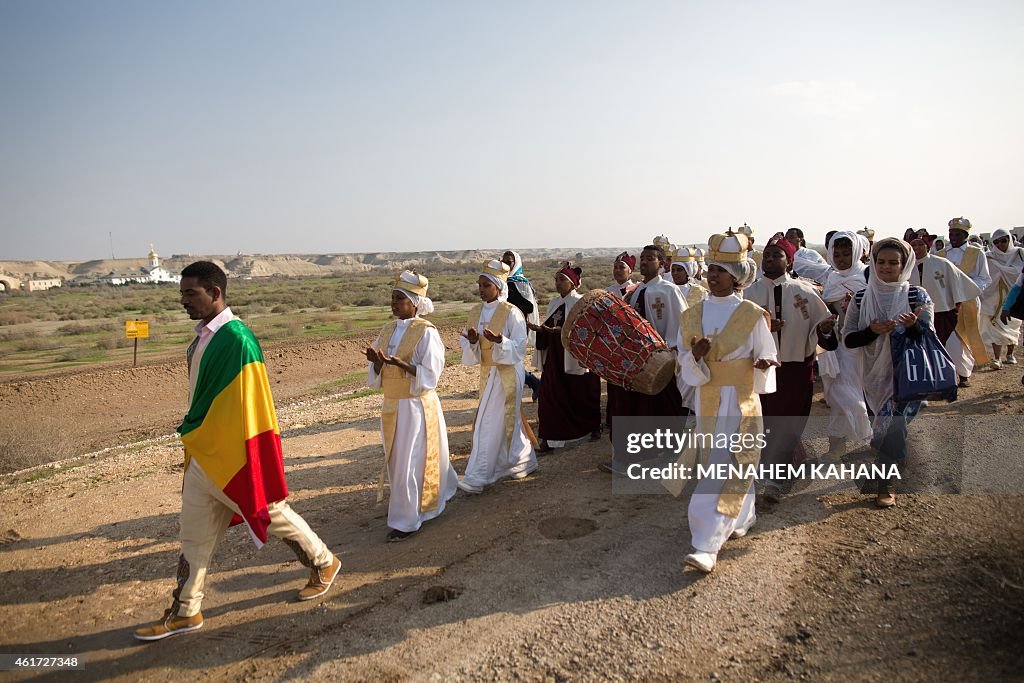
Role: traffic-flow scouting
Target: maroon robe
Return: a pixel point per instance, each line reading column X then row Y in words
column 666, row 403
column 786, row 411
column 570, row 405
column 945, row 323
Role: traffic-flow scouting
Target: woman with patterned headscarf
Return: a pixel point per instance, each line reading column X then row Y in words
column 522, row 296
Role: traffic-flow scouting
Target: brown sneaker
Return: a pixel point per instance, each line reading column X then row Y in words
column 886, row 497
column 320, row 579
column 170, row 625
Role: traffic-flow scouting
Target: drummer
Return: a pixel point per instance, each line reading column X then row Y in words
column 570, row 396
column 624, row 265
column 660, row 302
column 622, row 286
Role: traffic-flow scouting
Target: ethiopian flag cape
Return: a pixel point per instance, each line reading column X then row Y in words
column 231, row 429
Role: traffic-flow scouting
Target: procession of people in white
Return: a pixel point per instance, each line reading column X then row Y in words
column 746, row 342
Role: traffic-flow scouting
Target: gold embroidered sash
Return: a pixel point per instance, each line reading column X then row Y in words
column 395, row 383
column 506, row 373
column 968, row 327
column 737, row 373
column 695, row 295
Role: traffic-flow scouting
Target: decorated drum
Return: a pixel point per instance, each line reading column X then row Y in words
column 611, row 339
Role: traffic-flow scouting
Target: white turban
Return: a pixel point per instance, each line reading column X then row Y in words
column 414, row 287
column 423, row 304
column 500, row 283
column 745, row 272
column 729, row 253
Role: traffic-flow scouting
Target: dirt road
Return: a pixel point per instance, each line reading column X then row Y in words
column 551, row 577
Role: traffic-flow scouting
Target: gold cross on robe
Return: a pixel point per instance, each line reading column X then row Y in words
column 658, row 307
column 801, row 303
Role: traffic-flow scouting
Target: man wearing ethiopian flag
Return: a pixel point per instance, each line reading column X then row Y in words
column 234, row 471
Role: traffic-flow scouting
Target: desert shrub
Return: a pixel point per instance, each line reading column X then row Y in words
column 71, row 355
column 15, row 335
column 38, row 344
column 114, row 341
column 29, row 441
column 14, row 318
column 75, row 329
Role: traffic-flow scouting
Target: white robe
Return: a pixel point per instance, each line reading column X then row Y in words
column 810, row 264
column 798, row 338
column 961, row 354
column 708, row 527
column 980, row 273
column 844, row 387
column 1005, row 268
column 948, row 286
column 409, row 449
column 491, row 459
column 945, row 283
column 622, row 291
column 663, row 304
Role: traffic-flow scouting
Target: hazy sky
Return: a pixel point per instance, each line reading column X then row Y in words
column 218, row 127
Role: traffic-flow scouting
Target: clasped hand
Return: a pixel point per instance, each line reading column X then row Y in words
column 379, row 359
column 826, row 326
column 907, row 320
column 553, row 329
column 472, row 336
column 700, row 347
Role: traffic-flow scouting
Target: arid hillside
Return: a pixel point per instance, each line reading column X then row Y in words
column 265, row 265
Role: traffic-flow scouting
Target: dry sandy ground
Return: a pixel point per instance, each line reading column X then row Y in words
column 551, row 578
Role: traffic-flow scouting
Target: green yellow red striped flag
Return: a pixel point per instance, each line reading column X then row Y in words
column 231, row 428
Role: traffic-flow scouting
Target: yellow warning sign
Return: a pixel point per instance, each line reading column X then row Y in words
column 136, row 329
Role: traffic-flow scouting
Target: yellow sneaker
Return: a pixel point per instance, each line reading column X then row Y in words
column 170, row 625
column 320, row 580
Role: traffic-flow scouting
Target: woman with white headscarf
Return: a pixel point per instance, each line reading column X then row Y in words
column 841, row 370
column 889, row 306
column 1005, row 263
column 406, row 362
column 495, row 339
column 730, row 358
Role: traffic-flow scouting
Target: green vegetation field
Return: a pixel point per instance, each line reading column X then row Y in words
column 80, row 326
